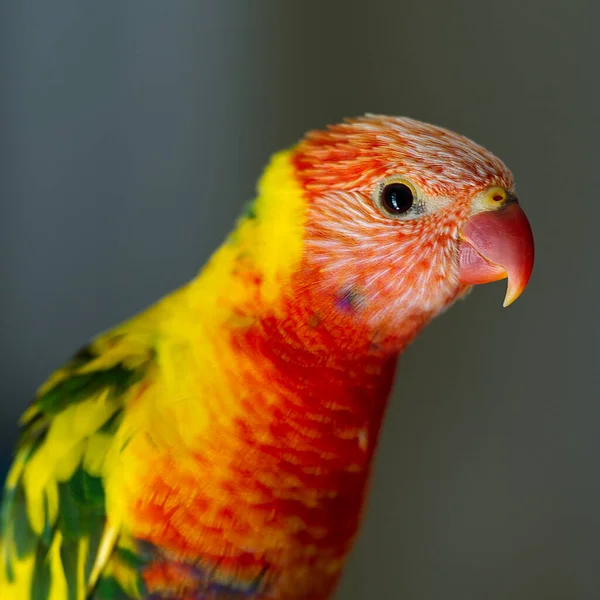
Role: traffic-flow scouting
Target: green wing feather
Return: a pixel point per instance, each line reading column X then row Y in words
column 53, row 514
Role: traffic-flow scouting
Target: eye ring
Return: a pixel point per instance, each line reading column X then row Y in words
column 396, row 198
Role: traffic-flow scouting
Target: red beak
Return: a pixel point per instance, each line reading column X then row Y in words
column 496, row 244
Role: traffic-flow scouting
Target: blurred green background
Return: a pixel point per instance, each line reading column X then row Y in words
column 133, row 132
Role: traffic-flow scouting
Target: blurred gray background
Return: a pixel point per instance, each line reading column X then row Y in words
column 131, row 135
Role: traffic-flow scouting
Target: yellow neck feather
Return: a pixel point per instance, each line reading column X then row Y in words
column 267, row 241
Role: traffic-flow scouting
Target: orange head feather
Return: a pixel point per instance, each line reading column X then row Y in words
column 390, row 271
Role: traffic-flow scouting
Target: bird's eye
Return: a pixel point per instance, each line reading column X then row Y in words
column 397, row 198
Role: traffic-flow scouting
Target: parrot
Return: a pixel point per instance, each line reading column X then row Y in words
column 219, row 445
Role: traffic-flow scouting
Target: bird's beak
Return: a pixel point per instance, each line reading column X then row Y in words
column 496, row 244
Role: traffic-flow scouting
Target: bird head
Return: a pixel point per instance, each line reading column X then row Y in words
column 403, row 217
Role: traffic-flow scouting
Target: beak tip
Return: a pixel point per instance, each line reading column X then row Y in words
column 508, row 300
column 514, row 290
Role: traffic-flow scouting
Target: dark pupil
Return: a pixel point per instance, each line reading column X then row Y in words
column 397, row 198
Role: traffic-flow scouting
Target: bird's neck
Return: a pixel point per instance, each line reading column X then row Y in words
column 302, row 376
column 296, row 359
column 330, row 383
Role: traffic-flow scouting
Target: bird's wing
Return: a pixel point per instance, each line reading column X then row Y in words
column 55, row 540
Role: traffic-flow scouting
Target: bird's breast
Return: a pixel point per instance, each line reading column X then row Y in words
column 269, row 494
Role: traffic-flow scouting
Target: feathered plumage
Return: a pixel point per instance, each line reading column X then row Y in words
column 219, row 445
